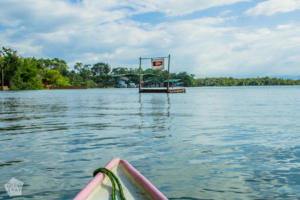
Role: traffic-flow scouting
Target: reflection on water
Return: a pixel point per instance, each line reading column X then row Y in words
column 155, row 113
column 210, row 143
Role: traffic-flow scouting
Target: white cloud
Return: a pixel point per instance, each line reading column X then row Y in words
column 179, row 7
column 233, row 51
column 92, row 31
column 272, row 7
column 284, row 26
column 47, row 12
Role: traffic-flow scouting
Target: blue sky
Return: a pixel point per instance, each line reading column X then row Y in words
column 239, row 38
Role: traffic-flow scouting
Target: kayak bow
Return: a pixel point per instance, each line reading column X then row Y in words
column 135, row 185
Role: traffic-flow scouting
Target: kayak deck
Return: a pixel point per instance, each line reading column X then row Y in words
column 135, row 186
column 130, row 188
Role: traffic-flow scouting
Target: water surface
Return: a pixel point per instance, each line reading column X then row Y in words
column 209, row 143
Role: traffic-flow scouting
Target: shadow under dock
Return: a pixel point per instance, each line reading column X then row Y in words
column 162, row 90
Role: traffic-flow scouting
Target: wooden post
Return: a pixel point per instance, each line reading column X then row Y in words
column 140, row 84
column 2, row 73
column 2, row 79
column 168, row 86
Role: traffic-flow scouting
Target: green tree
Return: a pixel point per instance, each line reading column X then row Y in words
column 101, row 74
column 75, row 79
column 120, row 70
column 85, row 72
column 60, row 65
column 1, row 69
column 27, row 76
column 54, row 78
column 187, row 79
column 10, row 64
column 20, row 73
column 100, row 69
column 78, row 66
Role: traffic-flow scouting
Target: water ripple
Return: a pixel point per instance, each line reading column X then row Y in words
column 210, row 143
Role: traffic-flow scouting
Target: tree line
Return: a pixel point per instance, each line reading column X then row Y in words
column 224, row 81
column 31, row 73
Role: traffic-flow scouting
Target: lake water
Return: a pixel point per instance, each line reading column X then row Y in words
column 209, row 143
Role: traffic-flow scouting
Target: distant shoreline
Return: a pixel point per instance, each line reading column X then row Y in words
column 19, row 73
column 85, row 87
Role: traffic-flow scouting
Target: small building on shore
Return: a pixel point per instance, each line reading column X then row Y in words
column 3, row 87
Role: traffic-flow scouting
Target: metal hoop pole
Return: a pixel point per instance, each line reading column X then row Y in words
column 140, row 84
column 168, row 86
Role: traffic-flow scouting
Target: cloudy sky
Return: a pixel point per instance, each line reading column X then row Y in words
column 237, row 38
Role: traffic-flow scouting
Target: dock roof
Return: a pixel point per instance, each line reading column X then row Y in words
column 172, row 80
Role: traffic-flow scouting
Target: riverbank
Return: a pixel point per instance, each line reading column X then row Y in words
column 66, row 87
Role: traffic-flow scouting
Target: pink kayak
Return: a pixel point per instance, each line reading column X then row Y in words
column 135, row 185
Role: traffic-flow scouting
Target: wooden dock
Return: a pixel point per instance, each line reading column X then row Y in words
column 162, row 90
column 158, row 64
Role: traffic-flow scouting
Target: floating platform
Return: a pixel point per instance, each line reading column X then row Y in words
column 162, row 90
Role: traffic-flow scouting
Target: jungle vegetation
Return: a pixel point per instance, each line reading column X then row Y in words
column 31, row 73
